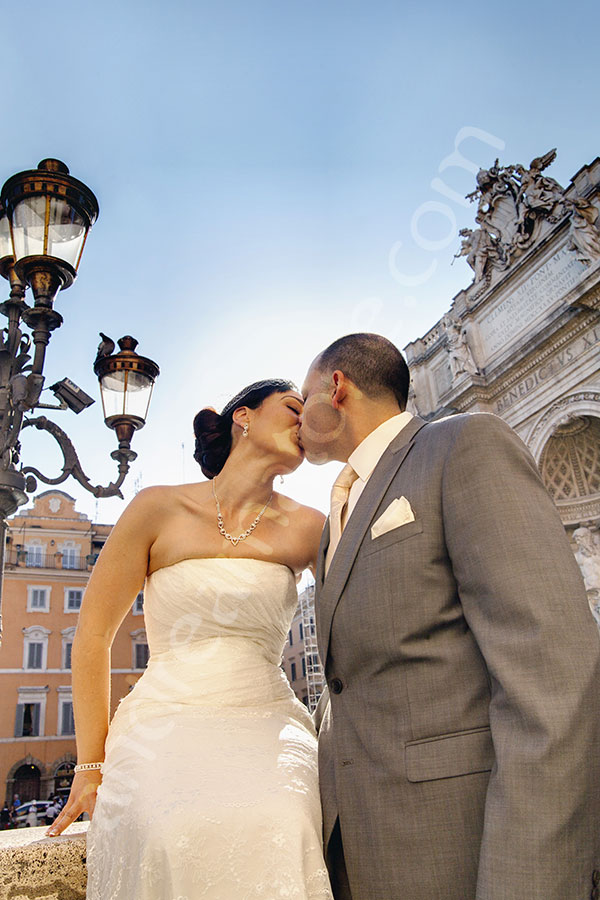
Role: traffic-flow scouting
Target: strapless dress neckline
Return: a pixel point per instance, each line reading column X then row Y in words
column 188, row 559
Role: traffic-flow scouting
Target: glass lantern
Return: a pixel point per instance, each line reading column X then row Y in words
column 6, row 248
column 49, row 214
column 126, row 384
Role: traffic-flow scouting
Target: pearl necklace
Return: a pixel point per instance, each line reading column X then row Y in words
column 242, row 537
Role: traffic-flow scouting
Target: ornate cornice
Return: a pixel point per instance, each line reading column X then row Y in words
column 584, row 509
column 553, row 412
column 493, row 387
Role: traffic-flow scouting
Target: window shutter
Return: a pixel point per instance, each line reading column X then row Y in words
column 34, row 656
column 19, row 720
column 68, row 724
column 141, row 656
column 35, row 730
column 68, row 648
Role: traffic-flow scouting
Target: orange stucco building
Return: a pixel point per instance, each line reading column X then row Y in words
column 50, row 553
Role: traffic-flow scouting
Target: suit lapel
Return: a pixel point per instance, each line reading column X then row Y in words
column 330, row 587
column 320, row 571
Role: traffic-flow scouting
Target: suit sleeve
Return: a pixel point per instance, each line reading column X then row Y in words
column 524, row 600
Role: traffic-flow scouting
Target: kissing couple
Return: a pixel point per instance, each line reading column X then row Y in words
column 460, row 727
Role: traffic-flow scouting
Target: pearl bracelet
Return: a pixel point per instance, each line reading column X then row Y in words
column 87, row 767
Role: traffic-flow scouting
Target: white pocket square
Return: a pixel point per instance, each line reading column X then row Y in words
column 398, row 513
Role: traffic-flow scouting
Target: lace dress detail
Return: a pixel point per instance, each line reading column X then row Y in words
column 210, row 789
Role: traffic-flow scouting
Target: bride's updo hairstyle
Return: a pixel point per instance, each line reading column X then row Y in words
column 213, row 431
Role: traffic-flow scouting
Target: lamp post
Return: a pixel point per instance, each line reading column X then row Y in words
column 45, row 218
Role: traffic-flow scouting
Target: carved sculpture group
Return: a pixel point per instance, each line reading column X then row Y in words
column 512, row 203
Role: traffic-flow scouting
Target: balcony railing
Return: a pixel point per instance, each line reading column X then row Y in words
column 23, row 559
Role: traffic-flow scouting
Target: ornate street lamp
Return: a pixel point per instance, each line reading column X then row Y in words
column 45, row 218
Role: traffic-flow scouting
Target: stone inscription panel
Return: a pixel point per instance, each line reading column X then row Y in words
column 525, row 304
column 548, row 369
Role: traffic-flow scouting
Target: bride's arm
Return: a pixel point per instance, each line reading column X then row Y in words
column 315, row 522
column 117, row 578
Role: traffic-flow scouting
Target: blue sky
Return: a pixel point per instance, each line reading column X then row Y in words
column 264, row 172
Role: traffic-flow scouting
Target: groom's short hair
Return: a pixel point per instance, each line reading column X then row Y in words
column 373, row 363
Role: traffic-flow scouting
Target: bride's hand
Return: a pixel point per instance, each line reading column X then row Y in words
column 81, row 799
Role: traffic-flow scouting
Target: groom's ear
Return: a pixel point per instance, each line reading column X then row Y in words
column 339, row 388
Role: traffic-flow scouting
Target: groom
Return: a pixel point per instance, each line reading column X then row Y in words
column 459, row 750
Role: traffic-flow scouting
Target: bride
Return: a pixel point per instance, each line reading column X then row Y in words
column 208, row 785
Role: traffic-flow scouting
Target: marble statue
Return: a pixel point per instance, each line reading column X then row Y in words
column 459, row 353
column 587, row 555
column 539, row 194
column 584, row 237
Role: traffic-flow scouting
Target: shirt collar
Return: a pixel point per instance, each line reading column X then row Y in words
column 370, row 450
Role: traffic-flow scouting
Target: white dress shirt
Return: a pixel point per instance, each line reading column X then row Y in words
column 368, row 453
column 364, row 459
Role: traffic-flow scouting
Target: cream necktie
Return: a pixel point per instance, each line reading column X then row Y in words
column 339, row 498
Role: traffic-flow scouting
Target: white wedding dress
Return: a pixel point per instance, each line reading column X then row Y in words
column 209, row 788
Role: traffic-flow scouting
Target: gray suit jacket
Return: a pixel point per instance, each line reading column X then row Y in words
column 461, row 744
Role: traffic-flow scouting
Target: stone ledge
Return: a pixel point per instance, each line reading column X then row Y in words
column 35, row 867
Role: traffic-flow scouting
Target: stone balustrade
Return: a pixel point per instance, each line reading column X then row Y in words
column 34, row 866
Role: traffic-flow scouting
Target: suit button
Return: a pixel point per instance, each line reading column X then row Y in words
column 336, row 686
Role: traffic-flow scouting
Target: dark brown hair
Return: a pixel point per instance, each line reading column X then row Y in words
column 213, row 429
column 373, row 363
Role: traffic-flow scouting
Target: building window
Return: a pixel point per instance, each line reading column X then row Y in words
column 35, row 647
column 67, row 722
column 293, row 668
column 290, row 638
column 35, row 556
column 141, row 656
column 73, row 597
column 28, row 720
column 38, row 598
column 70, row 555
column 301, row 632
column 67, row 645
column 303, row 667
column 138, row 605
column 30, row 712
column 139, row 649
column 34, row 655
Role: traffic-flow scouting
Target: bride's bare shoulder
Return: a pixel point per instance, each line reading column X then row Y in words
column 305, row 516
column 168, row 497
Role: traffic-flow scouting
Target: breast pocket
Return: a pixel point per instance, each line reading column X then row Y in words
column 395, row 536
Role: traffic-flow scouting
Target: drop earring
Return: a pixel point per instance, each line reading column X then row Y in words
column 246, row 429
